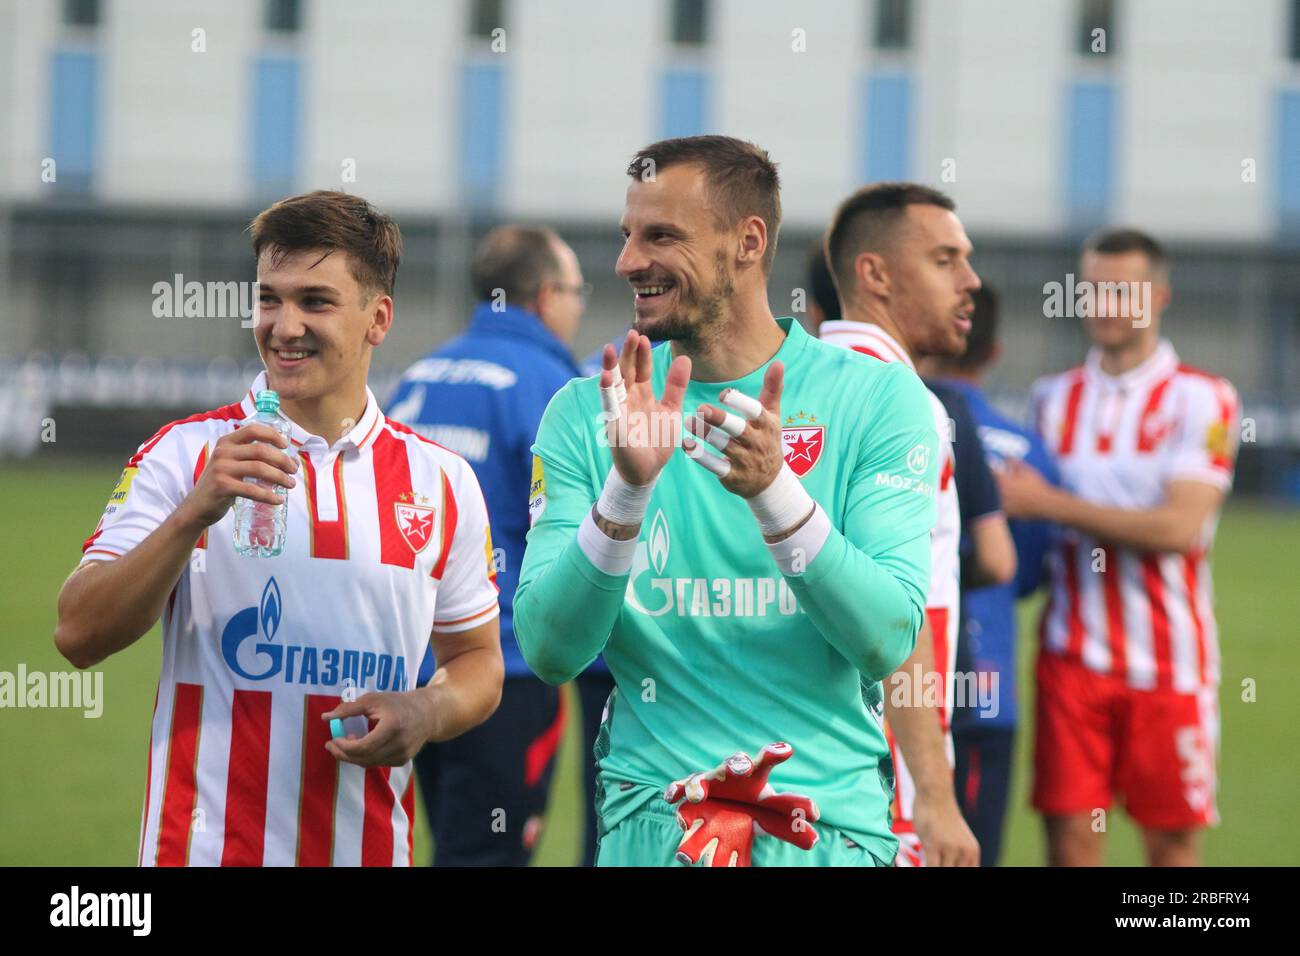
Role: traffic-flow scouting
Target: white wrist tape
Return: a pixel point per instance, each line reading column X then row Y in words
column 782, row 504
column 793, row 554
column 610, row 556
column 623, row 503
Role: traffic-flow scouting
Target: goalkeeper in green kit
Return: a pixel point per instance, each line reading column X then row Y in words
column 739, row 520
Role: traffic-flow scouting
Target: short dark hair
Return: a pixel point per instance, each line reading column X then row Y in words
column 517, row 260
column 743, row 181
column 328, row 219
column 867, row 221
column 1115, row 241
column 821, row 285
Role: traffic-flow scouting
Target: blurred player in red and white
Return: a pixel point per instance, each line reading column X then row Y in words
column 901, row 264
column 387, row 549
column 1129, row 666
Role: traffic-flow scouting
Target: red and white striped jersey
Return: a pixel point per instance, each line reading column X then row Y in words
column 1119, row 441
column 943, row 601
column 387, row 540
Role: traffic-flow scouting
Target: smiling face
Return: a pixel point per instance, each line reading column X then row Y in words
column 316, row 325
column 677, row 260
column 931, row 281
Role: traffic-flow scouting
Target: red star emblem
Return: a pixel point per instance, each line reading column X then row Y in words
column 415, row 524
column 803, row 446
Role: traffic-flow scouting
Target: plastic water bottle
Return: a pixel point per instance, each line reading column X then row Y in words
column 259, row 527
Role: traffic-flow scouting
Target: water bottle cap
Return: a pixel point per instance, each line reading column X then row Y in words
column 267, row 401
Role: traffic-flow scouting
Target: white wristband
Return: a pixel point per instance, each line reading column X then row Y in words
column 782, row 504
column 610, row 556
column 623, row 503
column 793, row 554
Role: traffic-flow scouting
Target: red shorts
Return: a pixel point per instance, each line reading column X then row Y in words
column 1096, row 736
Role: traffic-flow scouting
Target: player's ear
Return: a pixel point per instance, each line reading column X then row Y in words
column 1161, row 295
column 872, row 274
column 381, row 319
column 544, row 303
column 753, row 240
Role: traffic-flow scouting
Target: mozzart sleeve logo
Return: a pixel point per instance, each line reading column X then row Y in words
column 251, row 650
column 918, row 460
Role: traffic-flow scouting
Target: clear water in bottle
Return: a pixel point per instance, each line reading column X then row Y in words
column 260, row 527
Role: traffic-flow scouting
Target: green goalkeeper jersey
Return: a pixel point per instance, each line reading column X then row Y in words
column 712, row 648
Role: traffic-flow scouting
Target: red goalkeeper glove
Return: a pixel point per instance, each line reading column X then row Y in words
column 726, row 806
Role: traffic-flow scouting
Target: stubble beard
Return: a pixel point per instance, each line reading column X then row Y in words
column 698, row 320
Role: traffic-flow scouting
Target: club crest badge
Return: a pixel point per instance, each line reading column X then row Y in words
column 802, row 440
column 414, row 521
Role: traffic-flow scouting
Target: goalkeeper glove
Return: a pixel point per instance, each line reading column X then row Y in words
column 723, row 808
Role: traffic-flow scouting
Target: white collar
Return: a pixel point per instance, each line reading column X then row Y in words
column 358, row 437
column 1157, row 366
column 890, row 351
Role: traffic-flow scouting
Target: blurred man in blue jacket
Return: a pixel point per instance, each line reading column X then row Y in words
column 984, row 736
column 482, row 395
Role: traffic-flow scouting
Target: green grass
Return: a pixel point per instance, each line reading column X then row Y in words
column 71, row 789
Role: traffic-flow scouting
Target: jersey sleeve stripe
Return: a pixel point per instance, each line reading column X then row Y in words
column 89, row 542
column 180, row 789
column 320, row 783
column 469, row 617
column 449, row 518
column 246, row 778
column 377, row 828
column 225, row 413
